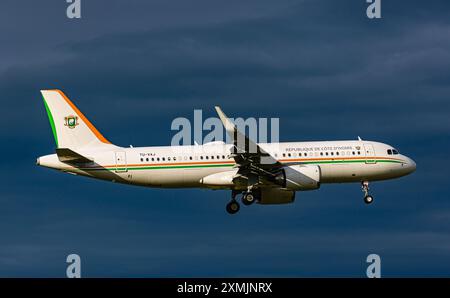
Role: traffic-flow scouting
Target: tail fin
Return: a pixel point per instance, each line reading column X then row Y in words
column 71, row 128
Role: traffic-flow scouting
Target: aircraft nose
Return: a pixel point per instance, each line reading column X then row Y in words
column 411, row 165
column 38, row 161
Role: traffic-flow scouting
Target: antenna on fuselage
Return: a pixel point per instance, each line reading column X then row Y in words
column 359, row 138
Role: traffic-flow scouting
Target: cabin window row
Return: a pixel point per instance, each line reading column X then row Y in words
column 212, row 157
column 305, row 154
column 218, row 157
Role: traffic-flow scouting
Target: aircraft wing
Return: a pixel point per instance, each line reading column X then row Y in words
column 250, row 158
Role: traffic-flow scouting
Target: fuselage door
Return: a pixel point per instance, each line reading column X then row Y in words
column 121, row 162
column 370, row 153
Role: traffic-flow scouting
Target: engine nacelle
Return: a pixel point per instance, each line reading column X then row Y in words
column 300, row 177
column 276, row 196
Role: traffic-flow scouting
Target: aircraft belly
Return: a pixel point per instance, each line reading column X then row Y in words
column 173, row 178
column 164, row 178
column 339, row 173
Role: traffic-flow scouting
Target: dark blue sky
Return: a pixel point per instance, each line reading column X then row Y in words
column 321, row 66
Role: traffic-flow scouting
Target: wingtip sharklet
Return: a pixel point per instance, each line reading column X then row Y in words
column 220, row 112
column 227, row 123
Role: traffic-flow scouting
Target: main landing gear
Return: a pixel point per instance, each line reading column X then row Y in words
column 368, row 199
column 233, row 207
column 247, row 199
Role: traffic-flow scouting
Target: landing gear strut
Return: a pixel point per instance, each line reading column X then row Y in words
column 368, row 199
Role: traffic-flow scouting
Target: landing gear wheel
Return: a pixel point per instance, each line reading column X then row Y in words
column 368, row 199
column 233, row 207
column 248, row 199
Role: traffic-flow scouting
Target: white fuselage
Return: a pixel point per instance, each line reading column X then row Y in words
column 185, row 166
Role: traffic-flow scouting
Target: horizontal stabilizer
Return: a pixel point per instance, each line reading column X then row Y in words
column 69, row 156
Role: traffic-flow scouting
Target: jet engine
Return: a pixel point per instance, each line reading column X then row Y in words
column 299, row 177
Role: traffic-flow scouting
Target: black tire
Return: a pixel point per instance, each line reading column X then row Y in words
column 248, row 199
column 233, row 207
column 368, row 199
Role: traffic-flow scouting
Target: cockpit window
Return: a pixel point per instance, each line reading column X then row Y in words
column 392, row 151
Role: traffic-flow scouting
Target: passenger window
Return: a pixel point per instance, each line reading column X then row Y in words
column 359, row 152
column 289, row 155
column 284, row 155
column 321, row 153
column 142, row 159
column 157, row 159
column 190, row 157
column 168, row 158
column 147, row 159
column 201, row 157
column 332, row 153
column 223, row 156
column 163, row 158
column 207, row 157
column 353, row 152
column 337, row 153
column 153, row 159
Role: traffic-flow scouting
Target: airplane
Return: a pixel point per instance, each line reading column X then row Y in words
column 265, row 173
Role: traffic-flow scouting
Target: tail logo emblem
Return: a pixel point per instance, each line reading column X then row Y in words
column 71, row 121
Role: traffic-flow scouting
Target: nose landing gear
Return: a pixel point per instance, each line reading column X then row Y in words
column 368, row 199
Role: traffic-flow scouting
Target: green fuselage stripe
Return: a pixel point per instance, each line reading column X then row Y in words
column 156, row 167
column 121, row 168
column 52, row 122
